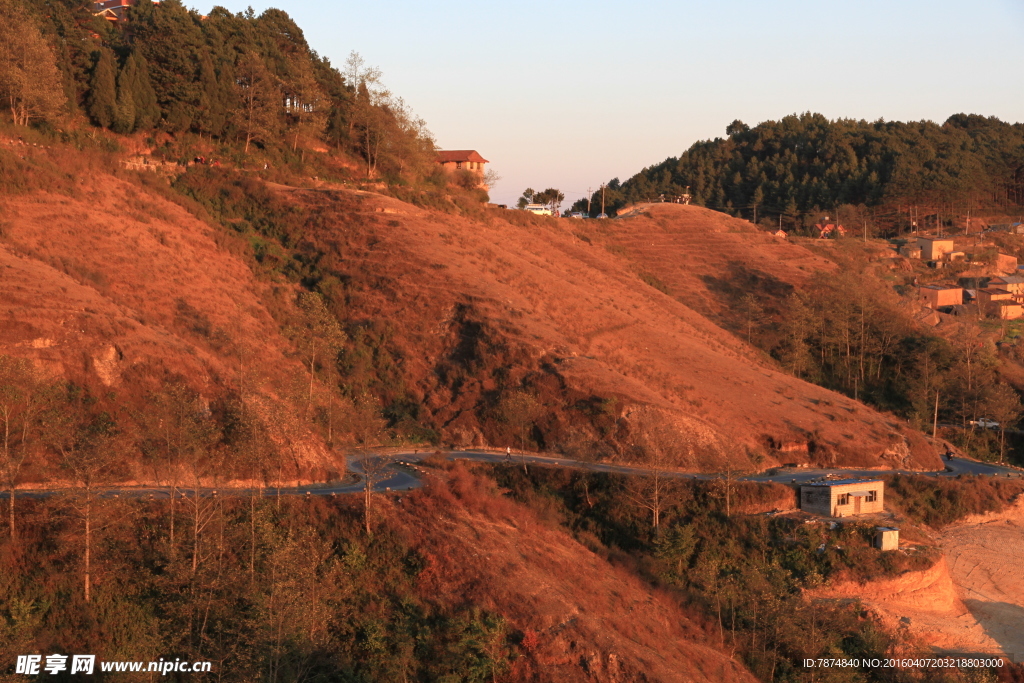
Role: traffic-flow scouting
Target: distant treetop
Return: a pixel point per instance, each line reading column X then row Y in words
column 801, row 162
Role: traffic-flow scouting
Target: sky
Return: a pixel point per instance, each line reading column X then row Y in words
column 570, row 94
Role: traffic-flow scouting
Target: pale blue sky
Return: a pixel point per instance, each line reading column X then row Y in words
column 569, row 94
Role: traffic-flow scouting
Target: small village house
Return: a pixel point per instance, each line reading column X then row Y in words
column 1006, row 264
column 843, row 497
column 463, row 160
column 887, row 538
column 826, row 230
column 1007, row 310
column 990, row 295
column 112, row 10
column 934, row 248
column 937, row 296
column 1014, row 284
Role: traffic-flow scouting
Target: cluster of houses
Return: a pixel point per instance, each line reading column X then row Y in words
column 1000, row 296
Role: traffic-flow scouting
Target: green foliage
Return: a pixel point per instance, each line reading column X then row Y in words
column 240, row 79
column 137, row 107
column 103, row 104
column 803, row 162
column 940, row 502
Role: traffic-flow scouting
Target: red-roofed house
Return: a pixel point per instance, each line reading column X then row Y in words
column 112, row 10
column 463, row 160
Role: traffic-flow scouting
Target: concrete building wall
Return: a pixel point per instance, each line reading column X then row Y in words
column 933, row 249
column 946, row 296
column 1007, row 310
column 843, row 500
column 887, row 538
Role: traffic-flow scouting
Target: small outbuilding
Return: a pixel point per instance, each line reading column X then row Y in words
column 934, row 248
column 887, row 538
column 937, row 296
column 843, row 497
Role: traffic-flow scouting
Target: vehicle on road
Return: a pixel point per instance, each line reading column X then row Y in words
column 985, row 423
column 602, row 215
column 577, row 214
column 538, row 209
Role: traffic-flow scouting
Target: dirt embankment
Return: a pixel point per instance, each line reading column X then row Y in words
column 972, row 600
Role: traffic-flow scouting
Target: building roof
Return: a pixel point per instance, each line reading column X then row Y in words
column 447, row 156
column 996, row 290
column 843, row 482
column 941, row 287
column 1009, row 280
column 936, row 239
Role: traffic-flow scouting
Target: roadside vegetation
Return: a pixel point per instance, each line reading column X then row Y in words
column 278, row 590
column 941, row 502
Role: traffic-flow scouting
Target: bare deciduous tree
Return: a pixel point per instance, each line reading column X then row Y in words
column 88, row 445
column 30, row 82
column 657, row 445
column 21, row 401
column 519, row 409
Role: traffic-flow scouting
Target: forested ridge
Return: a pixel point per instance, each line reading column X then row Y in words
column 805, row 164
column 228, row 85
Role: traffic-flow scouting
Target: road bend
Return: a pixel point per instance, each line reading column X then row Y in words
column 401, row 471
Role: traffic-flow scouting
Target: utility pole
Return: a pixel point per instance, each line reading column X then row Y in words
column 588, row 202
column 865, row 231
column 935, row 420
column 602, row 199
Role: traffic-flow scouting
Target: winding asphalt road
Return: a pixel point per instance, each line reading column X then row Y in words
column 400, row 471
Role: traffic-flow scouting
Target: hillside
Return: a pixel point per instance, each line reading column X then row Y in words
column 534, row 307
column 445, row 317
column 801, row 166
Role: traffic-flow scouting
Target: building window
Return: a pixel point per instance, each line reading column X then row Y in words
column 458, row 165
column 872, row 496
column 844, row 499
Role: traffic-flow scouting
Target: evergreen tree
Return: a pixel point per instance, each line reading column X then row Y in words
column 124, row 119
column 102, row 102
column 147, row 111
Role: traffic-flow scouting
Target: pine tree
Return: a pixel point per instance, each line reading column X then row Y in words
column 124, row 119
column 147, row 111
column 102, row 102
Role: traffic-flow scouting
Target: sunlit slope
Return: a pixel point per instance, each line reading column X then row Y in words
column 121, row 290
column 505, row 296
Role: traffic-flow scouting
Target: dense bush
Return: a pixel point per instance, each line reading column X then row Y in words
column 938, row 502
